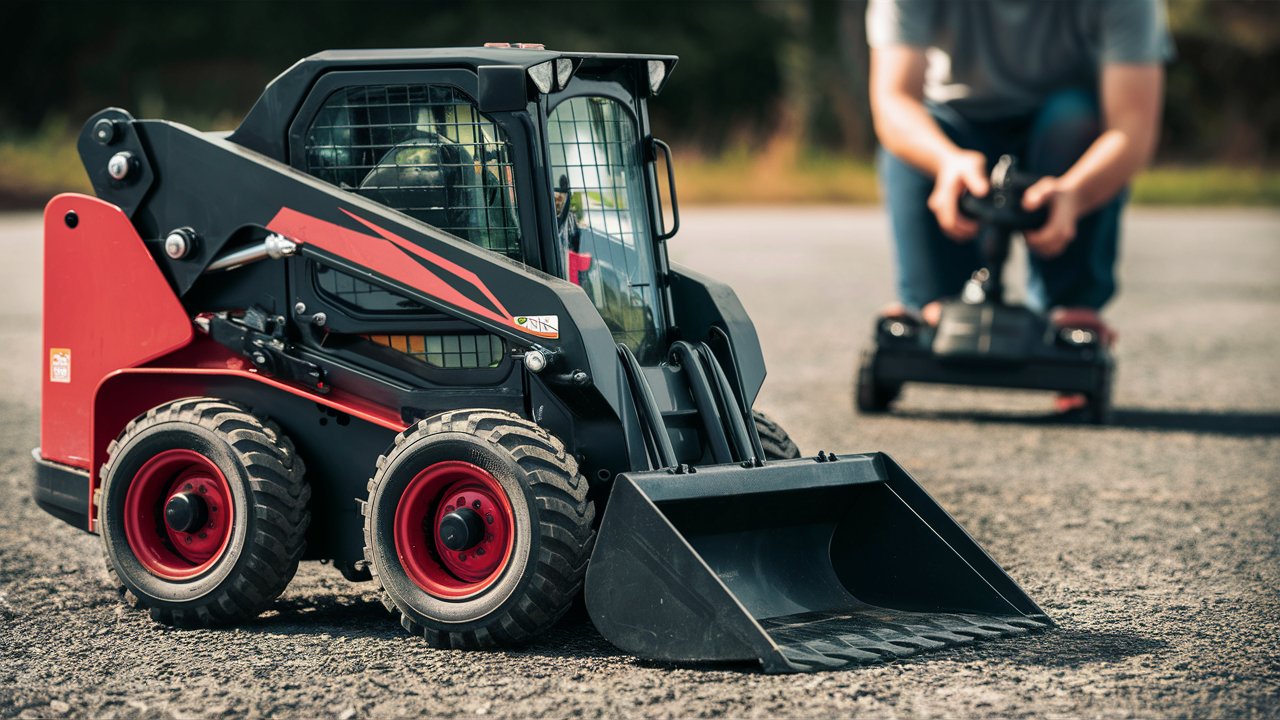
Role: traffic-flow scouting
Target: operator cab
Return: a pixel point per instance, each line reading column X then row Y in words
column 469, row 140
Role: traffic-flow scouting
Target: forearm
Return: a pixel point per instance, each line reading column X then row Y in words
column 906, row 129
column 1131, row 100
column 1107, row 167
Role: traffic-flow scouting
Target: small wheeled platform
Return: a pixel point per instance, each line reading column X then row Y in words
column 980, row 339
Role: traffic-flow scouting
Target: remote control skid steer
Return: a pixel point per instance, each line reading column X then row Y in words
column 415, row 317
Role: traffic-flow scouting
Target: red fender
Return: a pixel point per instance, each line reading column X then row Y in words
column 107, row 306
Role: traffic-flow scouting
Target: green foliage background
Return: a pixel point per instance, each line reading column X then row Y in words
column 779, row 85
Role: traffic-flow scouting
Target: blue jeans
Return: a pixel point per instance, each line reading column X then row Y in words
column 931, row 266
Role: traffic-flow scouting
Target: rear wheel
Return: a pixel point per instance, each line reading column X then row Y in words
column 478, row 529
column 777, row 444
column 202, row 512
column 870, row 394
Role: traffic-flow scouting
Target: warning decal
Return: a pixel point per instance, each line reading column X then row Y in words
column 60, row 365
column 547, row 326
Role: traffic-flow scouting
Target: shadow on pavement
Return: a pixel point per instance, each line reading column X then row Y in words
column 1243, row 424
column 335, row 615
column 1210, row 422
column 575, row 637
column 1069, row 648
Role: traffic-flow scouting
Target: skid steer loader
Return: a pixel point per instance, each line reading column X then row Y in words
column 415, row 317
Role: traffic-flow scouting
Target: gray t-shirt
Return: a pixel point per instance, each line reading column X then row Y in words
column 991, row 59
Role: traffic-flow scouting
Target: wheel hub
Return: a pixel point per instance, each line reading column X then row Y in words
column 454, row 529
column 461, row 529
column 185, row 512
column 178, row 514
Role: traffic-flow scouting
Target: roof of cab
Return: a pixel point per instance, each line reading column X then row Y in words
column 266, row 124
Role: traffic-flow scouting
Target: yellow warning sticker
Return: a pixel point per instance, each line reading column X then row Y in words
column 60, row 365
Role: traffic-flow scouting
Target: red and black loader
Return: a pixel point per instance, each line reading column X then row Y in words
column 415, row 317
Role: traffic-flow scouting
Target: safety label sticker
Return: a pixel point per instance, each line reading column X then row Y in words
column 547, row 326
column 60, row 365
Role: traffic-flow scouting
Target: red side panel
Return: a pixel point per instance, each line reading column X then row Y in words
column 106, row 307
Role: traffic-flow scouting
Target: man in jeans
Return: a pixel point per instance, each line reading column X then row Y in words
column 1073, row 88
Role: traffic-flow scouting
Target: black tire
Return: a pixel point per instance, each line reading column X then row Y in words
column 870, row 395
column 269, row 494
column 1098, row 411
column 777, row 444
column 553, row 532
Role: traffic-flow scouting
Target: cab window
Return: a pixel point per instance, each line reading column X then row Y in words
column 423, row 150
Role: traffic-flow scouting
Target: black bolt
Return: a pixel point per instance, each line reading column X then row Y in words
column 185, row 512
column 104, row 131
column 71, row 219
column 461, row 529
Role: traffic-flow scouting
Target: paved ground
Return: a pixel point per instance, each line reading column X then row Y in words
column 1153, row 543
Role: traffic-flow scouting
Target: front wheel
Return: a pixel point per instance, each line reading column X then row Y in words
column 478, row 529
column 870, row 394
column 1099, row 410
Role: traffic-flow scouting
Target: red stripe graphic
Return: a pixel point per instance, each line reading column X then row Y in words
column 385, row 256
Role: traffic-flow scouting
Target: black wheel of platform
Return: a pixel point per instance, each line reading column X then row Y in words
column 500, row 575
column 777, row 444
column 870, row 395
column 1099, row 411
column 202, row 512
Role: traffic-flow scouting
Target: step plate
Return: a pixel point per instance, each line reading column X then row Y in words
column 832, row 641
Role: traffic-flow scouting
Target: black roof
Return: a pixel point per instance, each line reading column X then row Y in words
column 263, row 129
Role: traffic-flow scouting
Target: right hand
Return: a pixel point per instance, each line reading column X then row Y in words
column 960, row 171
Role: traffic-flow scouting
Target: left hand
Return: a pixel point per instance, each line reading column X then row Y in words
column 1064, row 210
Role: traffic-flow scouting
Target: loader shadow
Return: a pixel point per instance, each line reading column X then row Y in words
column 1208, row 422
column 334, row 615
column 364, row 617
column 576, row 638
column 1064, row 648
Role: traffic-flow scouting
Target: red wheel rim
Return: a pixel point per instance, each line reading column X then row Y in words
column 163, row 550
column 430, row 496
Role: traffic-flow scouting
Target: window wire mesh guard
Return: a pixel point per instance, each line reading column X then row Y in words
column 595, row 151
column 424, row 150
column 446, row 351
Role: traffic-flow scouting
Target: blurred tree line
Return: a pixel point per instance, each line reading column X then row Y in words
column 754, row 74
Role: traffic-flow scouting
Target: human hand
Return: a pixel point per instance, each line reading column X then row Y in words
column 960, row 171
column 1059, row 230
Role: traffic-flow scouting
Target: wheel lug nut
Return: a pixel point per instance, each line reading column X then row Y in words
column 479, row 551
column 476, row 504
column 462, row 556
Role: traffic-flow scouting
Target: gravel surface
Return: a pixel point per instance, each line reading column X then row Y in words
column 1153, row 543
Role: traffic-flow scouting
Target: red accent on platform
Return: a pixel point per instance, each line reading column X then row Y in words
column 434, row 493
column 385, row 254
column 578, row 264
column 107, row 304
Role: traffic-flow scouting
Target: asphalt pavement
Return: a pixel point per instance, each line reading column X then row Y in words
column 1155, row 543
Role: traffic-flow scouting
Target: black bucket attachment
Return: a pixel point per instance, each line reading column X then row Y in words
column 801, row 565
